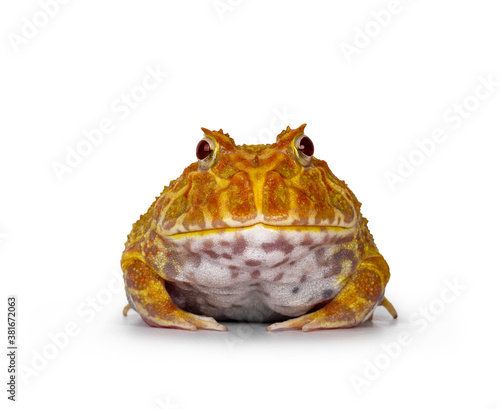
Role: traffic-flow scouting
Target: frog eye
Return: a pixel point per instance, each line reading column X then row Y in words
column 203, row 149
column 306, row 146
column 206, row 151
column 304, row 149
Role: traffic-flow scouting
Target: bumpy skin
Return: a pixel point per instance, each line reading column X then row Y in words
column 254, row 233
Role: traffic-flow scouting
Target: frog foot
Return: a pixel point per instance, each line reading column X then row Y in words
column 327, row 319
column 313, row 321
column 180, row 319
column 153, row 303
column 184, row 320
column 353, row 305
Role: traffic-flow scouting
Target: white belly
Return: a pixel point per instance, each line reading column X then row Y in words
column 261, row 274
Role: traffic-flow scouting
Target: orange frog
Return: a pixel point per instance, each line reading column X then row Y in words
column 256, row 233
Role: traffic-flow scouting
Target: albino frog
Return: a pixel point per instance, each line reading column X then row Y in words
column 260, row 233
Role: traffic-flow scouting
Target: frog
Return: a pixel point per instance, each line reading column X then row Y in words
column 254, row 233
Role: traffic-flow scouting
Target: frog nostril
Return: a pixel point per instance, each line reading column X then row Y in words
column 203, row 149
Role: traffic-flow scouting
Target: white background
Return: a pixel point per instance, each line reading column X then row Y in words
column 239, row 69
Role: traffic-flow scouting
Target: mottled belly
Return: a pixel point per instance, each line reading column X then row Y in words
column 258, row 274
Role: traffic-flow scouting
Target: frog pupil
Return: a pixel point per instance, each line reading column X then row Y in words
column 203, row 149
column 306, row 146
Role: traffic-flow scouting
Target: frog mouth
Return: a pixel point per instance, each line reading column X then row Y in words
column 277, row 228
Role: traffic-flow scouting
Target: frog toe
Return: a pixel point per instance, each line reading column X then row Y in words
column 171, row 323
column 294, row 323
column 126, row 309
column 314, row 321
column 183, row 320
column 201, row 321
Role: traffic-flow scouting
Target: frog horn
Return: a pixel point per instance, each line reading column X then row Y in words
column 290, row 133
column 220, row 136
column 207, row 131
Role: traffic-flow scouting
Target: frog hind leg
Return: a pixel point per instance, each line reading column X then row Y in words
column 153, row 303
column 353, row 305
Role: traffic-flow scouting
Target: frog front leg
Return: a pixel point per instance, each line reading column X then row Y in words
column 353, row 305
column 153, row 303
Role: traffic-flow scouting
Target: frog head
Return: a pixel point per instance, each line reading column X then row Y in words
column 279, row 185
